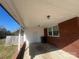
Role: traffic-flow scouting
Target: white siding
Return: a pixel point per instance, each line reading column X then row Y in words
column 34, row 34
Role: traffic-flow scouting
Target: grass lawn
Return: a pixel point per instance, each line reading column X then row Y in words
column 6, row 52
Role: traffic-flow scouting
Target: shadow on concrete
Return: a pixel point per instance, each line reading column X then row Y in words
column 39, row 48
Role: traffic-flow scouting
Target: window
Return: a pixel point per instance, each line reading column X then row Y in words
column 53, row 31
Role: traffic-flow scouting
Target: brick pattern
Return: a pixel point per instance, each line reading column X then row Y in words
column 69, row 36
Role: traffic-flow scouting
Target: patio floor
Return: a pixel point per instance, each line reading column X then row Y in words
column 46, row 51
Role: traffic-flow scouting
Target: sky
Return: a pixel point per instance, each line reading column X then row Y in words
column 7, row 21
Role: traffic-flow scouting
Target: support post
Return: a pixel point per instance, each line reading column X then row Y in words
column 26, row 40
column 24, row 37
column 19, row 40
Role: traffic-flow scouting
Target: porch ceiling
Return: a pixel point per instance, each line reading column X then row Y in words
column 35, row 12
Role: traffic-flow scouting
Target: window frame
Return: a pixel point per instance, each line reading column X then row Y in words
column 52, row 32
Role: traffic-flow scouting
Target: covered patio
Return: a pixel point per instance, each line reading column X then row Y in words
column 51, row 28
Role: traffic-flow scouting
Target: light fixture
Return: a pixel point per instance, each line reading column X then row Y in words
column 48, row 16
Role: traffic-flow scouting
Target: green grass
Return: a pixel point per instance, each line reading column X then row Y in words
column 6, row 52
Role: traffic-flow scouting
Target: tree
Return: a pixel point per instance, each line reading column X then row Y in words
column 4, row 32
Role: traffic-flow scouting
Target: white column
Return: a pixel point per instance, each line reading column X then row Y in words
column 26, row 40
column 19, row 40
column 24, row 37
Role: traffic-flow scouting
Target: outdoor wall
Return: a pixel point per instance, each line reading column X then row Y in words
column 69, row 36
column 34, row 34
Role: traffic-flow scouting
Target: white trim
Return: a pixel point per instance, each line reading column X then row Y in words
column 13, row 11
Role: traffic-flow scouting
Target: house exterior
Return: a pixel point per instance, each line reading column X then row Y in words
column 36, row 16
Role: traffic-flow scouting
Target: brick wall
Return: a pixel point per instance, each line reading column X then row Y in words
column 69, row 36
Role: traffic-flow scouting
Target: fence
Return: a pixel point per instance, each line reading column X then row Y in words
column 13, row 40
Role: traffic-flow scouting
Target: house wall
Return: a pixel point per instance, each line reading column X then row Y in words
column 34, row 34
column 69, row 36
